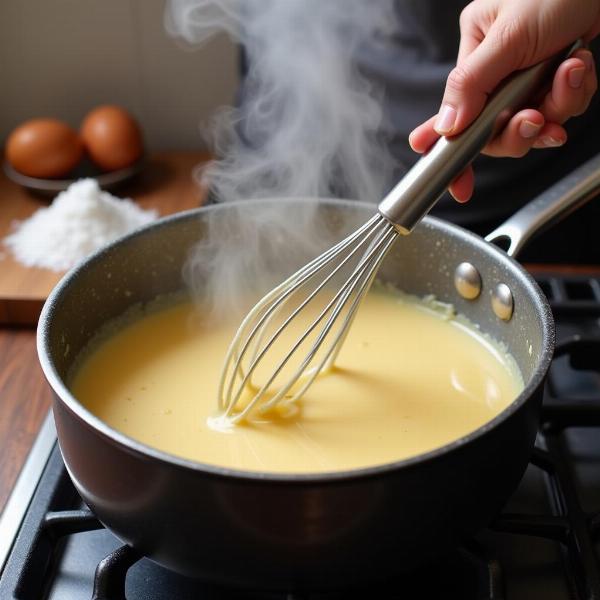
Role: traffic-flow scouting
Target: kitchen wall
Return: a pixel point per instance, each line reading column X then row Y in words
column 62, row 57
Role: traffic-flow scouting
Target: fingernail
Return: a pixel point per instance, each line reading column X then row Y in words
column 445, row 119
column 548, row 142
column 529, row 129
column 410, row 140
column 576, row 77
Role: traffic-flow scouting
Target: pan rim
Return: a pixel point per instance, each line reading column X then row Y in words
column 63, row 395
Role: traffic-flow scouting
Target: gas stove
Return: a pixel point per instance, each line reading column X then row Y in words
column 543, row 546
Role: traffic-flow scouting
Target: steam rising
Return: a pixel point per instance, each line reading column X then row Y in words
column 307, row 127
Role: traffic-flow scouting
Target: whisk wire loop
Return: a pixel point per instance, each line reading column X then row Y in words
column 271, row 302
column 339, row 338
column 377, row 235
column 281, row 294
column 335, row 306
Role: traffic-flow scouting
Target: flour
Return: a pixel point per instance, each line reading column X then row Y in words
column 79, row 221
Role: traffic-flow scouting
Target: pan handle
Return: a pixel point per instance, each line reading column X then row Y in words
column 549, row 207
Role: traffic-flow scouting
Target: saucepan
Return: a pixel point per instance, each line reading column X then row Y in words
column 290, row 531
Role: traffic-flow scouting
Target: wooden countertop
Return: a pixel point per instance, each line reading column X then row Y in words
column 25, row 398
column 165, row 184
column 24, row 401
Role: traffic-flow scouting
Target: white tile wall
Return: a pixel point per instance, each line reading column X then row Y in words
column 62, row 57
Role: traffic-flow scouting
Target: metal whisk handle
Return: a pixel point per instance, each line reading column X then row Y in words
column 414, row 196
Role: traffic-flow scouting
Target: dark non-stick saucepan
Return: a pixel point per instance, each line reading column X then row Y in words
column 310, row 530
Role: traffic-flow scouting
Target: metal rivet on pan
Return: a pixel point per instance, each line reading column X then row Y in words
column 502, row 302
column 467, row 281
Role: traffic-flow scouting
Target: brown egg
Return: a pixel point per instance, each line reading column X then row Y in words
column 111, row 137
column 45, row 148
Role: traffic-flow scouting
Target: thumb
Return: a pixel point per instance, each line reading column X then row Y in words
column 474, row 78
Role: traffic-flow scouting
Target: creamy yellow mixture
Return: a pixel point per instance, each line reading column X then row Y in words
column 408, row 380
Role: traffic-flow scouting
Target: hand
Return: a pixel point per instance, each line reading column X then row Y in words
column 502, row 36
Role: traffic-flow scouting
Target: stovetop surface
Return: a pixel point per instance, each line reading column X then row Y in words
column 544, row 546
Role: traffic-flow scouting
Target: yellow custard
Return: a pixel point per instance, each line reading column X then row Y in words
column 407, row 380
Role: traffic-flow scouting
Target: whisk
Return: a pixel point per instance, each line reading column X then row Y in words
column 361, row 254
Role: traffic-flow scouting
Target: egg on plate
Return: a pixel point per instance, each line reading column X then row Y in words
column 44, row 148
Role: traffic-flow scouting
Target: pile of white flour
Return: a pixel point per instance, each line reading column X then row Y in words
column 79, row 221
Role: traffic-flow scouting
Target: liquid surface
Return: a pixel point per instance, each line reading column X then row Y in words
column 408, row 380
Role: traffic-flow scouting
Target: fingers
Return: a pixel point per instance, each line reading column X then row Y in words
column 462, row 187
column 573, row 86
column 423, row 136
column 518, row 135
column 525, row 130
column 551, row 136
column 421, row 139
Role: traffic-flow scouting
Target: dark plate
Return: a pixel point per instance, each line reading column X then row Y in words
column 51, row 187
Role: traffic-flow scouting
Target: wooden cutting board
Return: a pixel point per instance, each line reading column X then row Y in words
column 165, row 184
